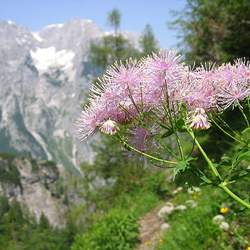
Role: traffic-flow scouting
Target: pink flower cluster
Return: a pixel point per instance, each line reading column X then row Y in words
column 126, row 90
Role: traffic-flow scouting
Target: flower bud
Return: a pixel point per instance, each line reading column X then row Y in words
column 198, row 119
column 109, row 127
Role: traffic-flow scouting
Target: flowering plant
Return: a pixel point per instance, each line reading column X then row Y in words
column 154, row 103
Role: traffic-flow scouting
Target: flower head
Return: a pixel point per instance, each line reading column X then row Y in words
column 224, row 226
column 109, row 127
column 233, row 84
column 163, row 73
column 224, row 210
column 198, row 119
column 218, row 219
column 128, row 89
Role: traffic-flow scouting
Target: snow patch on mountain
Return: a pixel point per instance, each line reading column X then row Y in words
column 37, row 36
column 45, row 58
column 57, row 25
column 10, row 22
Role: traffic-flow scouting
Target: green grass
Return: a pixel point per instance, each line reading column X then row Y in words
column 193, row 229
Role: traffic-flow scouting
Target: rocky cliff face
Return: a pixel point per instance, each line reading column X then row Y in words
column 44, row 76
column 35, row 185
column 42, row 80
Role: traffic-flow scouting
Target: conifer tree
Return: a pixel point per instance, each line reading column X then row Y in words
column 114, row 20
column 147, row 41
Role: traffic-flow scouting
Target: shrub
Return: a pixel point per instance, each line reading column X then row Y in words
column 118, row 230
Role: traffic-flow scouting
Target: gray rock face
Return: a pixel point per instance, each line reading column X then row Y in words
column 44, row 76
column 34, row 185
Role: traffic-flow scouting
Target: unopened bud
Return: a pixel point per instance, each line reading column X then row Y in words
column 109, row 127
column 198, row 119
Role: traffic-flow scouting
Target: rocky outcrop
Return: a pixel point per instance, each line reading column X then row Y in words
column 35, row 184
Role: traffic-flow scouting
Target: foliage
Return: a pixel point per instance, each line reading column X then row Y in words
column 18, row 230
column 148, row 42
column 113, row 221
column 114, row 19
column 217, row 30
column 116, row 47
column 9, row 172
column 194, row 227
column 117, row 230
column 110, row 49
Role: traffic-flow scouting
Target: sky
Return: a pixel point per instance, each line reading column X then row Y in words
column 35, row 14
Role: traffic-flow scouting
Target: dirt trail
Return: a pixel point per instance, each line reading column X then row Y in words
column 150, row 229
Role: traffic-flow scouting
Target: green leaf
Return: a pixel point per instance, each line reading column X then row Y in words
column 245, row 135
column 169, row 132
column 182, row 165
column 243, row 154
column 204, row 178
column 180, row 124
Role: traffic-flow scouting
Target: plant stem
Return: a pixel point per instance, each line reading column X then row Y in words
column 234, row 196
column 145, row 154
column 225, row 132
column 248, row 104
column 168, row 111
column 210, row 164
column 222, row 185
column 244, row 115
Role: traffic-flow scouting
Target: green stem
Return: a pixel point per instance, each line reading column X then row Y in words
column 145, row 154
column 234, row 196
column 168, row 111
column 244, row 115
column 210, row 164
column 225, row 132
column 248, row 104
column 222, row 185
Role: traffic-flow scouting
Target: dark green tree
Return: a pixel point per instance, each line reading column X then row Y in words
column 148, row 42
column 217, row 30
column 110, row 49
column 113, row 47
column 114, row 19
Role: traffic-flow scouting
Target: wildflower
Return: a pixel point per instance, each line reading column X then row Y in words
column 196, row 189
column 198, row 119
column 165, row 226
column 177, row 190
column 191, row 203
column 197, row 89
column 233, row 84
column 224, row 210
column 109, row 127
column 181, row 207
column 163, row 73
column 193, row 189
column 248, row 248
column 161, row 241
column 224, row 226
column 126, row 90
column 218, row 219
column 110, row 98
column 232, row 95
